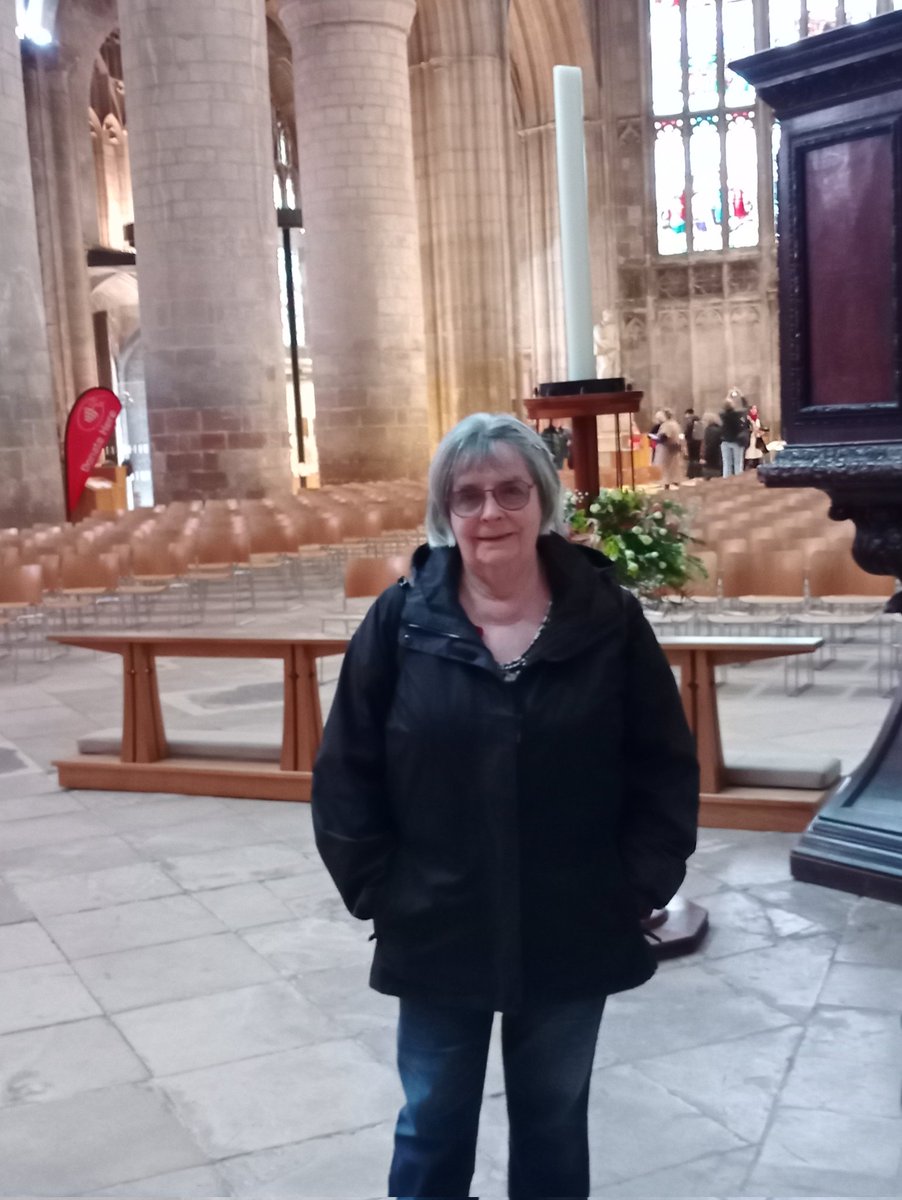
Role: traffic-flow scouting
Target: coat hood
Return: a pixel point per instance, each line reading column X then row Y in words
column 586, row 597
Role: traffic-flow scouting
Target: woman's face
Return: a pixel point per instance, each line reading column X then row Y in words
column 494, row 536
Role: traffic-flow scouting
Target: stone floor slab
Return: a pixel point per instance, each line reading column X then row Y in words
column 37, row 996
column 636, row 1121
column 296, row 947
column 197, row 1183
column 176, row 971
column 347, row 1164
column 247, row 864
column 788, row 976
column 848, row 1062
column 873, row 936
column 98, row 1139
column 840, row 1142
column 129, row 926
column 51, row 830
column 279, row 1099
column 26, row 945
column 665, row 1015
column 62, row 1060
column 710, row 1178
column 244, row 905
column 187, row 1035
column 42, row 804
column 13, row 909
column 196, row 836
column 735, row 1082
column 851, row 985
column 40, row 863
column 97, row 889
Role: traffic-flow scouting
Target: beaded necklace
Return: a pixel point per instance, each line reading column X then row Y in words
column 512, row 669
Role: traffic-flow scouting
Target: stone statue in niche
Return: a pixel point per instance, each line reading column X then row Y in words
column 606, row 337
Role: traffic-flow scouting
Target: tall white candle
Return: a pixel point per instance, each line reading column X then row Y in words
column 573, row 192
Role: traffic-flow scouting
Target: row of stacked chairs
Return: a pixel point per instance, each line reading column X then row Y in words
column 777, row 565
column 193, row 554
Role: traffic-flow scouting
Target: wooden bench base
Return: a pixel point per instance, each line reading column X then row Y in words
column 186, row 776
column 775, row 810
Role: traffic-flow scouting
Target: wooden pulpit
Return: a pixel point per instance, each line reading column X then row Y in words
column 838, row 97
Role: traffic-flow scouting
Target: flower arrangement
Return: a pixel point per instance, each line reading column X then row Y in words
column 645, row 536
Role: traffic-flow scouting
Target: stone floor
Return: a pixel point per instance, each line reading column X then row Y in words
column 184, row 1010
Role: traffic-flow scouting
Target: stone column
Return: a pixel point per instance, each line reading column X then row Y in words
column 359, row 204
column 202, row 170
column 57, row 186
column 30, row 476
column 463, row 131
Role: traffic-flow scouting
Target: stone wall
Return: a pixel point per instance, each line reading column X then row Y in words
column 30, row 474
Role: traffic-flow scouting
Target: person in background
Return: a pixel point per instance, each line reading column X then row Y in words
column 669, row 450
column 656, row 422
column 757, row 447
column 501, row 875
column 712, row 466
column 733, row 437
column 692, row 433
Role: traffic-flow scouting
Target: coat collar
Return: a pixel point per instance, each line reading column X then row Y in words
column 586, row 598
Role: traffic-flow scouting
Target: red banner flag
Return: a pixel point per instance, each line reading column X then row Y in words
column 88, row 430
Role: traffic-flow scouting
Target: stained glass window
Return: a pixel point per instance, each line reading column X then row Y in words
column 710, row 138
column 667, row 66
column 30, row 22
column 791, row 20
column 705, row 167
column 701, row 54
column 742, row 177
column 706, row 158
column 670, row 179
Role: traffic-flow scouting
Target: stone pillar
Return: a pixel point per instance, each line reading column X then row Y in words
column 202, row 169
column 30, row 475
column 57, row 186
column 359, row 204
column 463, row 131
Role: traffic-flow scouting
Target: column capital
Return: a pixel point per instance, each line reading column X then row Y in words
column 299, row 15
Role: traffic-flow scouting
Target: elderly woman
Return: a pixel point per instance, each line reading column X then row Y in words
column 506, row 786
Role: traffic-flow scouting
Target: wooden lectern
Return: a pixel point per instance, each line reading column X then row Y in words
column 582, row 401
column 838, row 97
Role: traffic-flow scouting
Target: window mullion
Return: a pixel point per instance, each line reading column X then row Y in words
column 687, row 126
column 722, row 129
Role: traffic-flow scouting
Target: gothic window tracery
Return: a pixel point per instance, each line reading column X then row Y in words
column 707, row 140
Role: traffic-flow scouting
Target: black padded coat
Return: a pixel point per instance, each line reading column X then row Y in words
column 504, row 836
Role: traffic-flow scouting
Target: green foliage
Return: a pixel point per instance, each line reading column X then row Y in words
column 645, row 536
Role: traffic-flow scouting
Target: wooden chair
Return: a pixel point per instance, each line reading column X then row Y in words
column 369, row 577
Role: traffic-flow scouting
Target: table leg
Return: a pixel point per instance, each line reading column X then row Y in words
column 143, row 735
column 707, row 728
column 289, row 757
column 308, row 715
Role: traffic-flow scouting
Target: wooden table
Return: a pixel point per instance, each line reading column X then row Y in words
column 697, row 658
column 144, row 763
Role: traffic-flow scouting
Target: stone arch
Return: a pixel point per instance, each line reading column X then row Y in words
column 542, row 36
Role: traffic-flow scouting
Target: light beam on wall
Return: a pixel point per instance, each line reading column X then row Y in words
column 30, row 22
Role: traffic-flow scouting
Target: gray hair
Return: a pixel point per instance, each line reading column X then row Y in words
column 473, row 441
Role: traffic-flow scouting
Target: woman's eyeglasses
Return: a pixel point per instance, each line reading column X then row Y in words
column 510, row 495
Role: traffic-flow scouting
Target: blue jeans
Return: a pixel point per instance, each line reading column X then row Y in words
column 548, row 1050
column 733, row 455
